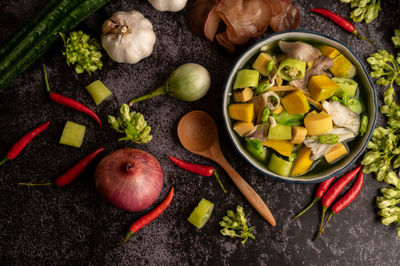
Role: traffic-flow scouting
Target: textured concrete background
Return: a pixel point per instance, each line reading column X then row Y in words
column 73, row 226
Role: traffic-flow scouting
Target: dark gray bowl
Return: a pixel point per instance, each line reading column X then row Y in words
column 365, row 84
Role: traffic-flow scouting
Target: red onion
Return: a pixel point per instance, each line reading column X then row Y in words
column 130, row 179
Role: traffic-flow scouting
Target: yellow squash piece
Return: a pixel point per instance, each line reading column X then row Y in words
column 321, row 87
column 278, row 110
column 329, row 51
column 303, row 161
column 318, row 123
column 336, row 152
column 284, row 147
column 243, row 95
column 242, row 128
column 261, row 63
column 298, row 134
column 296, row 103
column 241, row 111
column 342, row 67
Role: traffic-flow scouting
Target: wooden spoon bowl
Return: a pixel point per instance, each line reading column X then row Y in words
column 198, row 133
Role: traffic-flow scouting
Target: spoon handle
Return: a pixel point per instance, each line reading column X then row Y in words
column 248, row 192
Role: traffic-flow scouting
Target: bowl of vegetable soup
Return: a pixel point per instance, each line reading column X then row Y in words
column 299, row 106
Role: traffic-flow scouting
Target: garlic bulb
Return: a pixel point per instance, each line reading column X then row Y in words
column 168, row 5
column 128, row 37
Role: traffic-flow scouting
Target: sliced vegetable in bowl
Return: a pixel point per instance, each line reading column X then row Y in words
column 313, row 126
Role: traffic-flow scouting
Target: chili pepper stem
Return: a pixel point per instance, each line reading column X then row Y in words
column 355, row 32
column 45, row 79
column 128, row 235
column 160, row 91
column 324, row 209
column 219, row 181
column 327, row 221
column 306, row 209
column 4, row 161
column 35, row 185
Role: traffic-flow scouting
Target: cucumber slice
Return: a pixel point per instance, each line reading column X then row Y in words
column 73, row 134
column 98, row 91
column 201, row 213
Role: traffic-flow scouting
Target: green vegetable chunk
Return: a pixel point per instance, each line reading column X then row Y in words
column 291, row 69
column 279, row 166
column 201, row 213
column 363, row 125
column 235, row 225
column 331, row 139
column 246, row 78
column 287, row 119
column 82, row 51
column 347, row 87
column 256, row 148
column 132, row 124
column 73, row 134
column 98, row 91
column 280, row 132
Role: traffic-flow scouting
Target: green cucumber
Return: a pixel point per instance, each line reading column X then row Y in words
column 74, row 18
column 40, row 31
column 18, row 36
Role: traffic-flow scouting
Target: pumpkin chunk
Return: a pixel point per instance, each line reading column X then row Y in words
column 241, row 111
column 318, row 123
column 284, row 147
column 336, row 152
column 329, row 51
column 261, row 63
column 342, row 67
column 321, row 87
column 296, row 103
column 303, row 161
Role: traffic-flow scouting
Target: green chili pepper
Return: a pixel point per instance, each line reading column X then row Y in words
column 270, row 67
column 262, row 87
column 265, row 115
column 291, row 69
column 287, row 119
column 256, row 148
column 246, row 78
column 331, row 139
column 347, row 87
column 363, row 125
column 279, row 166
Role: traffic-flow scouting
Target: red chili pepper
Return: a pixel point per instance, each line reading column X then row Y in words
column 72, row 173
column 345, row 201
column 323, row 186
column 199, row 169
column 144, row 220
column 339, row 20
column 21, row 144
column 58, row 98
column 335, row 190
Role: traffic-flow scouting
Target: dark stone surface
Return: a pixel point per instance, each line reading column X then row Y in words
column 73, row 226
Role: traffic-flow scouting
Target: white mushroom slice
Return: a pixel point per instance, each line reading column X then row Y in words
column 318, row 150
column 259, row 132
column 342, row 116
column 300, row 50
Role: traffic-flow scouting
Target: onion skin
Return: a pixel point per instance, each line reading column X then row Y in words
column 129, row 179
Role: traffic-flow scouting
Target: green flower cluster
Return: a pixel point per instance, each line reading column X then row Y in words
column 82, row 51
column 367, row 10
column 132, row 124
column 387, row 206
column 235, row 225
column 383, row 157
column 396, row 39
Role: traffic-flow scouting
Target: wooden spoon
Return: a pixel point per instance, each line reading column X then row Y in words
column 198, row 133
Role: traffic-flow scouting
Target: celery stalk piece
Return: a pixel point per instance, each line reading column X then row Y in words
column 98, row 91
column 73, row 134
